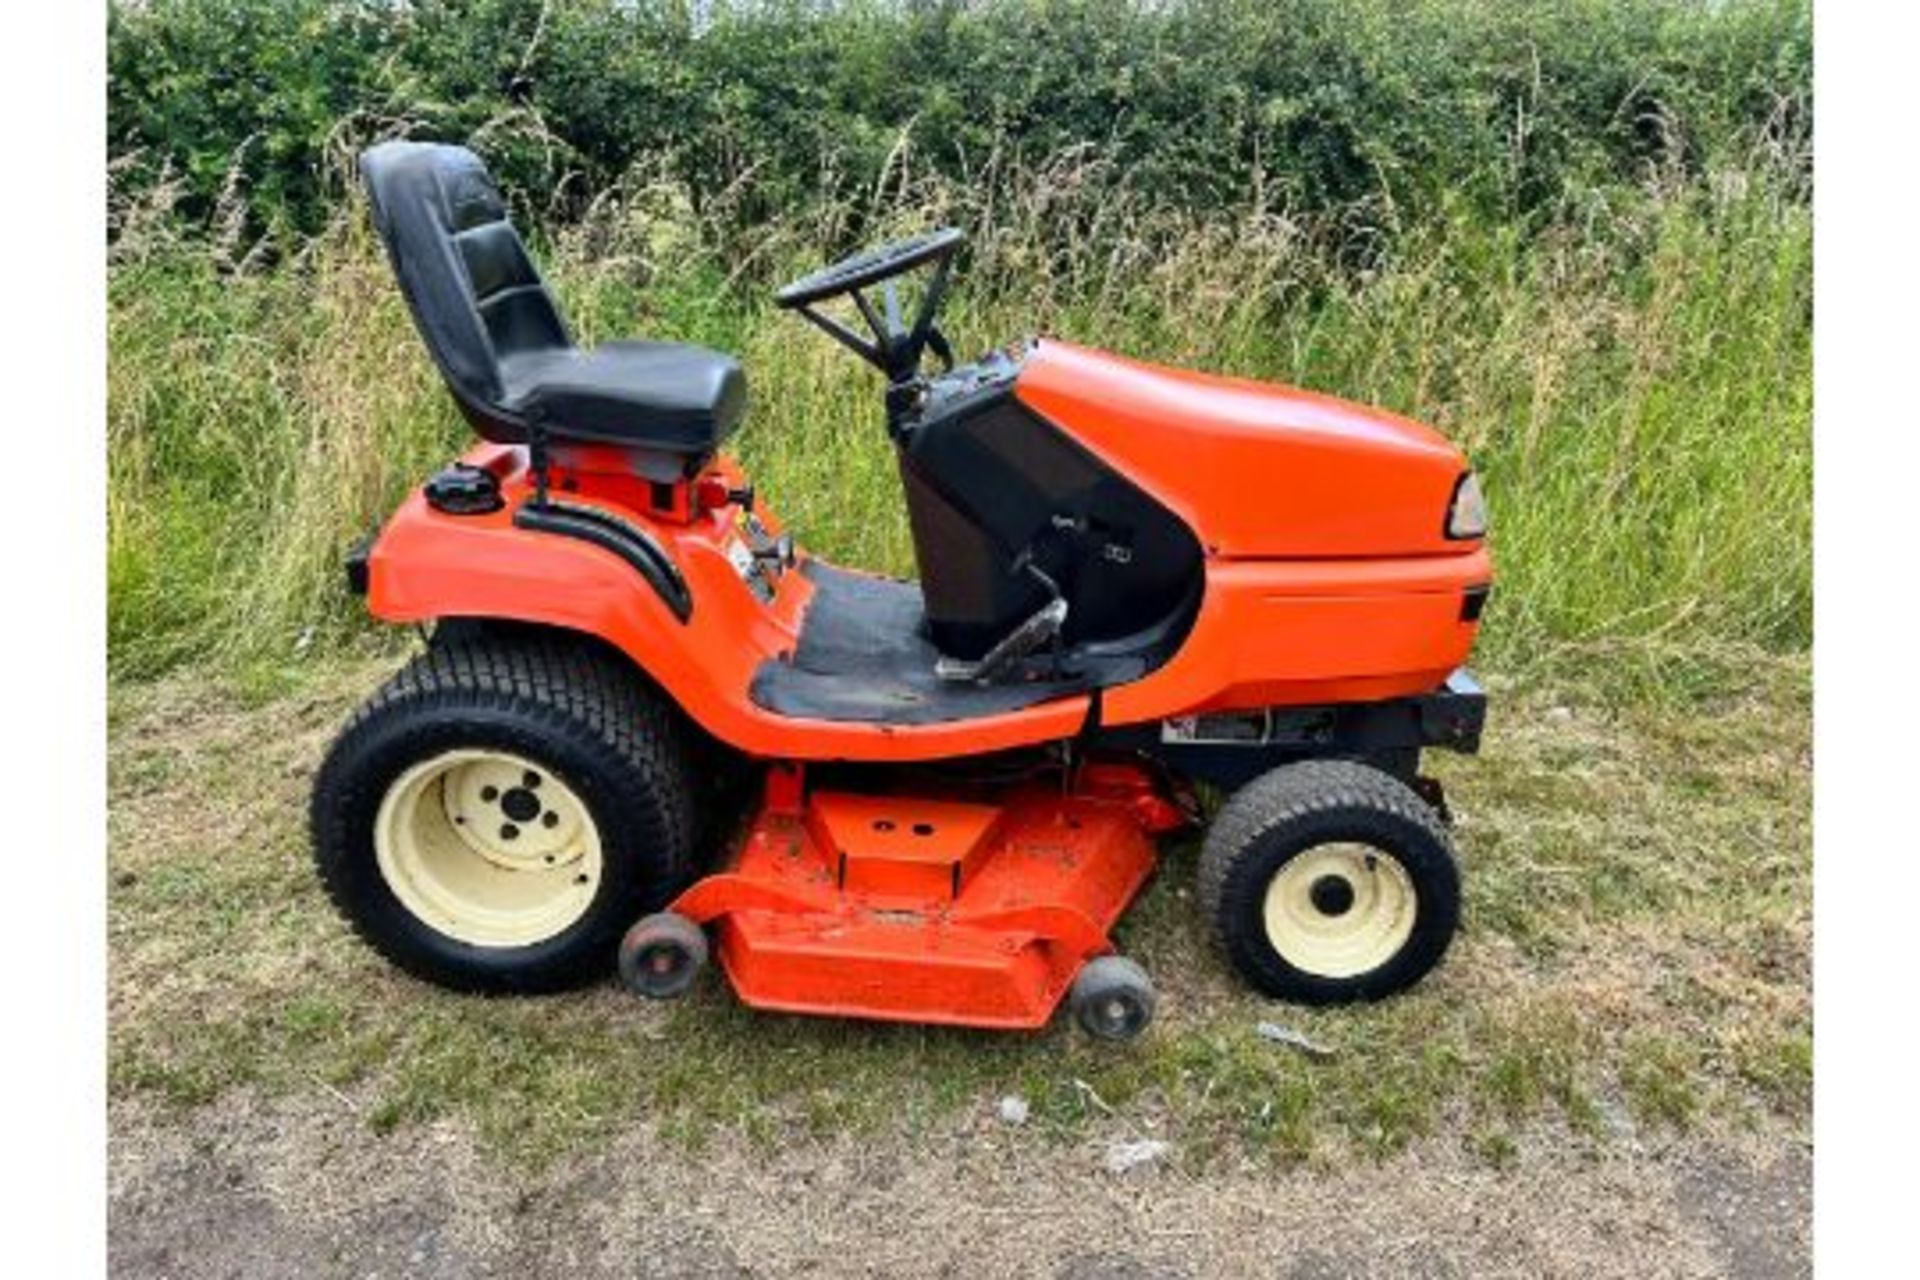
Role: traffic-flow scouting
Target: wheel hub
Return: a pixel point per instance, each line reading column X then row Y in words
column 521, row 805
column 511, row 814
column 488, row 849
column 1332, row 895
column 1339, row 910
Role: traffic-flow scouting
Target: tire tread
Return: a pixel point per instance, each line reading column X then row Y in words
column 1287, row 795
column 562, row 683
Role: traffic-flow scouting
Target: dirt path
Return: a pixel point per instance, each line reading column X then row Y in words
column 302, row 1187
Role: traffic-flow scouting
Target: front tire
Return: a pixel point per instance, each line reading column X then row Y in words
column 1330, row 881
column 497, row 814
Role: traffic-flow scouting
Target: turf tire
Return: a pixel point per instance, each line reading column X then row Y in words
column 551, row 698
column 1299, row 806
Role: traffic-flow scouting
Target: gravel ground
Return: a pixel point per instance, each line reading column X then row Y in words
column 302, row 1187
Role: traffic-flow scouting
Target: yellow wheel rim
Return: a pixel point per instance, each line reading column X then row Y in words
column 1339, row 910
column 488, row 847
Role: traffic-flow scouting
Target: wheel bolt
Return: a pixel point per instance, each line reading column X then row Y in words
column 509, row 832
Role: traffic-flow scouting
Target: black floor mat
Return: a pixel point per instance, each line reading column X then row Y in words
column 862, row 657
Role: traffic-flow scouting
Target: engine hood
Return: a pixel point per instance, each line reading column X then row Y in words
column 1259, row 470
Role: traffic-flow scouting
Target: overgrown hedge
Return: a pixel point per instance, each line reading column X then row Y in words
column 1363, row 112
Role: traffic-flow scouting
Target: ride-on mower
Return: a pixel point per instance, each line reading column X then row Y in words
column 647, row 722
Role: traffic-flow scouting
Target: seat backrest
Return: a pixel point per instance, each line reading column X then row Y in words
column 476, row 296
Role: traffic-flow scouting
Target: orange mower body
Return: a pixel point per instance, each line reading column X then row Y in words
column 927, row 800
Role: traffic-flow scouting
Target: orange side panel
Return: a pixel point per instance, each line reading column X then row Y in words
column 427, row 565
column 1279, row 632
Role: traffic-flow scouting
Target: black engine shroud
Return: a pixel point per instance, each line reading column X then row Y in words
column 995, row 491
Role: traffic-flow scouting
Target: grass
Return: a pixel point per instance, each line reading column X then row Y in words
column 1636, row 391
column 1634, row 962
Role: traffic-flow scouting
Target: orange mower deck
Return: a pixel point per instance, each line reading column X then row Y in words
column 910, row 909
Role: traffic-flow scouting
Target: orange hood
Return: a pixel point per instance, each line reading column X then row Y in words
column 1257, row 469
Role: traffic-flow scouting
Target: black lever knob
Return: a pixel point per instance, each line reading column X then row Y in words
column 778, row 551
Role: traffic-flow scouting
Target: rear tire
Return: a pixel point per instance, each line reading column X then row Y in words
column 594, row 824
column 1329, row 881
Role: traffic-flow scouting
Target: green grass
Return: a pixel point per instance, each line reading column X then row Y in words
column 1634, row 960
column 1637, row 394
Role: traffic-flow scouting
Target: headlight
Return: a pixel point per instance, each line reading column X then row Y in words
column 1467, row 514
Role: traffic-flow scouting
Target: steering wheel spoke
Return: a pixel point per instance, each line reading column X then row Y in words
column 844, row 336
column 941, row 348
column 882, row 330
column 896, row 347
column 893, row 308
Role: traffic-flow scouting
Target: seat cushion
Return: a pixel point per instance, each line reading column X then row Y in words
column 659, row 395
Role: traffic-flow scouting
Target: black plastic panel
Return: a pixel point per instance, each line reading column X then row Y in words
column 989, row 481
column 1231, row 750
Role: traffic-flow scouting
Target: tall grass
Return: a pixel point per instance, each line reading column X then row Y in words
column 1634, row 382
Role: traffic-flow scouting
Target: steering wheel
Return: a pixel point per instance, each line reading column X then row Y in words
column 896, row 347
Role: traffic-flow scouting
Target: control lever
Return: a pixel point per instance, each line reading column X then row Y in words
column 776, row 552
column 1035, row 632
column 714, row 492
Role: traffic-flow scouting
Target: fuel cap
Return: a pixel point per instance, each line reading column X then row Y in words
column 464, row 490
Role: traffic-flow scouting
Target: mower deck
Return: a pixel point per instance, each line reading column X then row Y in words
column 909, row 909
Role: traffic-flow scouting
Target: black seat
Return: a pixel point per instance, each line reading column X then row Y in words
column 498, row 337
